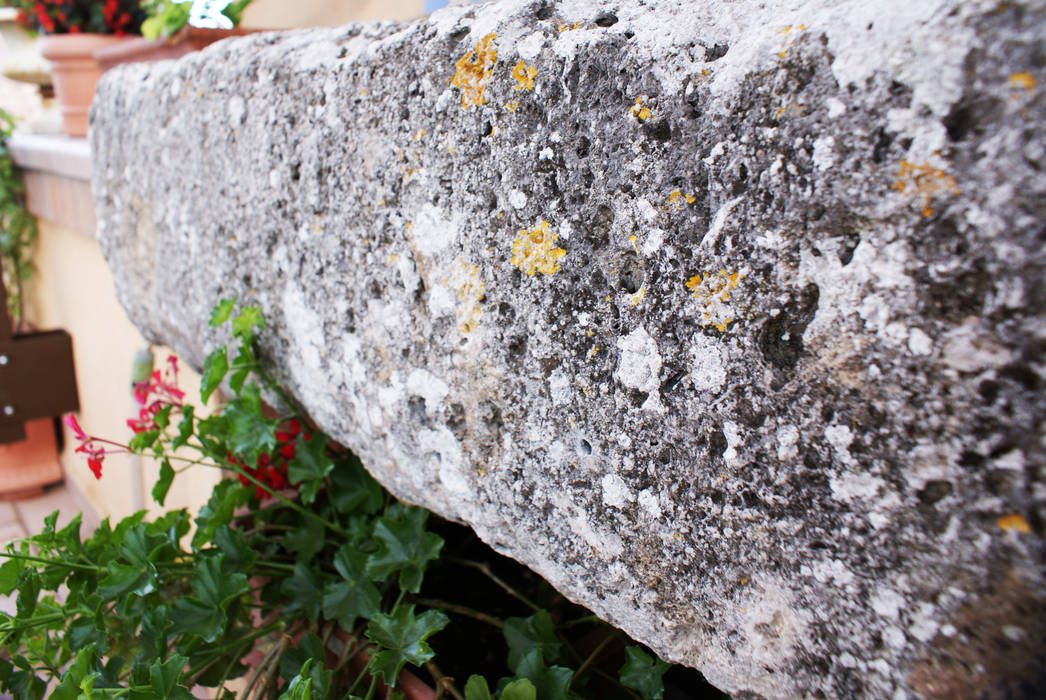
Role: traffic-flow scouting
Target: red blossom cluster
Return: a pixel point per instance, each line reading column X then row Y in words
column 160, row 390
column 271, row 469
column 119, row 17
column 88, row 445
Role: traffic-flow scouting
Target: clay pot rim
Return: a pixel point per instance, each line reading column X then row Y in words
column 60, row 46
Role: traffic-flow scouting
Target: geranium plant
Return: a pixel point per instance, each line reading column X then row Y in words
column 303, row 577
column 118, row 17
column 168, row 17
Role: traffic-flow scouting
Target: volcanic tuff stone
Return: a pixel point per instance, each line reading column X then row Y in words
column 725, row 317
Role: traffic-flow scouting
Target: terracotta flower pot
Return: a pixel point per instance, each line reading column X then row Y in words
column 141, row 49
column 75, row 73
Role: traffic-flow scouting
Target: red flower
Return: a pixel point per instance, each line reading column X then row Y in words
column 95, row 454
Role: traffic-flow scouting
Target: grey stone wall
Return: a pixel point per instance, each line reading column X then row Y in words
column 725, row 317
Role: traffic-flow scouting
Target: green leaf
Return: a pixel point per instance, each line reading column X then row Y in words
column 292, row 660
column 356, row 596
column 215, row 588
column 9, row 573
column 190, row 615
column 119, row 579
column 226, row 497
column 550, row 683
column 476, row 688
column 304, row 592
column 164, row 677
column 354, row 489
column 309, row 466
column 163, row 483
column 307, row 540
column 214, row 369
column 250, row 318
column 69, row 687
column 643, row 673
column 249, row 431
column 402, row 636
column 28, row 592
column 162, row 418
column 238, row 555
column 311, row 683
column 519, row 689
column 404, row 546
column 237, row 378
column 523, row 634
column 143, row 441
column 222, row 310
column 184, row 427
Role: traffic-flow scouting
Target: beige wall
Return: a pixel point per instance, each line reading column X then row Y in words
column 287, row 14
column 73, row 289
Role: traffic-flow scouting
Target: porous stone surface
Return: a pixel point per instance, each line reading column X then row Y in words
column 725, row 317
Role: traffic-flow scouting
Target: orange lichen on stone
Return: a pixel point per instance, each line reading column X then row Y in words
column 925, row 181
column 562, row 27
column 1021, row 80
column 639, row 111
column 535, row 250
column 474, row 70
column 512, row 106
column 524, row 76
column 1014, row 522
column 713, row 293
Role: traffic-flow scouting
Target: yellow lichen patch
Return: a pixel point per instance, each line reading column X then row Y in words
column 593, row 351
column 563, row 27
column 677, row 197
column 465, row 280
column 790, row 37
column 512, row 106
column 1021, row 80
column 634, row 299
column 419, row 135
column 524, row 76
column 473, row 71
column 535, row 250
column 924, row 180
column 1014, row 522
column 633, row 240
column 714, row 293
column 639, row 111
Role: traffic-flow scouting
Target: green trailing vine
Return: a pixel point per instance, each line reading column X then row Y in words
column 17, row 227
column 301, row 576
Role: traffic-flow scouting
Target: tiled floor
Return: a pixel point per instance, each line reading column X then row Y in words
column 26, row 516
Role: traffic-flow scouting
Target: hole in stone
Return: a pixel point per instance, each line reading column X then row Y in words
column 632, row 277
column 606, row 20
column 659, row 130
column 543, row 12
column 585, row 446
column 714, row 53
column 459, row 34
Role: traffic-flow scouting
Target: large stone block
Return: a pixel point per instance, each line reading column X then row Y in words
column 725, row 317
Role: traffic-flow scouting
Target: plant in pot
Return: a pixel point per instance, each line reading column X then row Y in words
column 71, row 31
column 173, row 29
column 303, row 579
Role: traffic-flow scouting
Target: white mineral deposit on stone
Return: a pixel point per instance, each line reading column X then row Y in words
column 237, row 110
column 919, row 343
column 707, row 371
column 732, row 431
column 966, row 350
column 517, row 198
column 431, row 388
column 650, row 503
column 432, row 230
column 787, row 439
column 718, row 221
column 923, row 626
column 639, row 365
column 824, row 152
column 836, row 108
column 894, row 637
column 616, row 492
column 654, row 238
column 559, row 387
column 887, row 602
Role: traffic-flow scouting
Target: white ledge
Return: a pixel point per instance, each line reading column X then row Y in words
column 52, row 153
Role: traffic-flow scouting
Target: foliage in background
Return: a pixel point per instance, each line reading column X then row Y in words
column 118, row 17
column 17, row 226
column 302, row 559
column 168, row 17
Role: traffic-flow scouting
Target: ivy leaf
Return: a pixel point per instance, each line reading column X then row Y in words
column 519, row 689
column 551, row 683
column 476, row 688
column 354, row 597
column 221, row 312
column 402, row 637
column 191, row 615
column 304, row 592
column 163, row 483
column 404, row 546
column 164, row 677
column 214, row 369
column 309, row 466
column 522, row 634
column 643, row 673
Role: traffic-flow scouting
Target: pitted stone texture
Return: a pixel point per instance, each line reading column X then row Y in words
column 727, row 318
